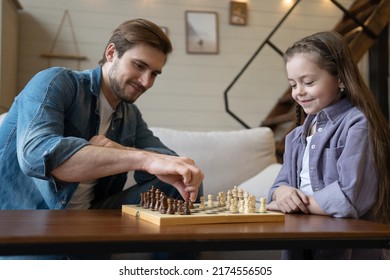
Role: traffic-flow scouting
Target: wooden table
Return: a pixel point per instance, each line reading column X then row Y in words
column 111, row 231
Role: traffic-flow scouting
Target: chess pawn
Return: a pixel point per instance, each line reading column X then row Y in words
column 246, row 206
column 157, row 201
column 170, row 209
column 210, row 202
column 146, row 199
column 175, row 204
column 240, row 193
column 186, row 208
column 223, row 198
column 219, row 199
column 152, row 198
column 242, row 206
column 229, row 199
column 163, row 204
column 233, row 205
column 262, row 208
column 202, row 205
column 252, row 204
column 180, row 209
column 235, row 191
column 246, row 196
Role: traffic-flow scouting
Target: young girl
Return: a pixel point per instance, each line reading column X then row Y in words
column 336, row 163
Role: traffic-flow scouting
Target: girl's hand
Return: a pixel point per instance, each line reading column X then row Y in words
column 290, row 200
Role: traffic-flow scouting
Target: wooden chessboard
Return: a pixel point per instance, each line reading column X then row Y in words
column 210, row 215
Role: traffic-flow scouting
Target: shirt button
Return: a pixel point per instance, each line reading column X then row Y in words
column 313, row 146
column 320, row 129
column 63, row 202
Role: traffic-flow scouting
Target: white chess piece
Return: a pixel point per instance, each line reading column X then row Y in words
column 252, row 204
column 210, row 202
column 202, row 206
column 262, row 208
column 241, row 209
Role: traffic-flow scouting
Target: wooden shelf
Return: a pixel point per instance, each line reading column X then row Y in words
column 63, row 56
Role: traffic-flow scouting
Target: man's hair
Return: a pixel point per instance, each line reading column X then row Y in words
column 132, row 32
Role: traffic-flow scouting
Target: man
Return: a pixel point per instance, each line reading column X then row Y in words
column 70, row 138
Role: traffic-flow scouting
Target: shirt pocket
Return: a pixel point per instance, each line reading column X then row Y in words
column 330, row 166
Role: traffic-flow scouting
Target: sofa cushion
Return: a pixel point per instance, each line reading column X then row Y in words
column 227, row 158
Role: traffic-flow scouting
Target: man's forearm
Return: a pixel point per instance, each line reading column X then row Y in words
column 92, row 162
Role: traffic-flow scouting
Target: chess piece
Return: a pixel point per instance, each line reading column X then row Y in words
column 235, row 192
column 186, row 208
column 233, row 205
column 170, row 209
column 202, row 205
column 152, row 197
column 246, row 205
column 210, row 202
column 223, row 198
column 240, row 193
column 229, row 199
column 219, row 199
column 180, row 208
column 157, row 200
column 241, row 206
column 163, row 204
column 175, row 203
column 146, row 199
column 252, row 204
column 262, row 208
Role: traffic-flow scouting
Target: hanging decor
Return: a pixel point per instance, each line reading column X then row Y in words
column 51, row 54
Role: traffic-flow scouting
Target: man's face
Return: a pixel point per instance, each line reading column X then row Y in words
column 135, row 72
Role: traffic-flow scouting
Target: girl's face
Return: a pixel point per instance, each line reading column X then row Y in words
column 313, row 88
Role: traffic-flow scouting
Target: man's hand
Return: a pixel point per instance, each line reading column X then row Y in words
column 180, row 172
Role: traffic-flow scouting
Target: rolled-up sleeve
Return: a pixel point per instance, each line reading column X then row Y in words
column 41, row 144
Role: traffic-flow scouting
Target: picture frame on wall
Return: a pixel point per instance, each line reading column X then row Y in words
column 201, row 32
column 238, row 13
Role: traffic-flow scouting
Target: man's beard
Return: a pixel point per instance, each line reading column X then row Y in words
column 116, row 87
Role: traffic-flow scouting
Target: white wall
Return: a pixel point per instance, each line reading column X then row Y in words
column 189, row 94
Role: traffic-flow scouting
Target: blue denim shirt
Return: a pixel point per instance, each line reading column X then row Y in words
column 53, row 117
column 341, row 163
